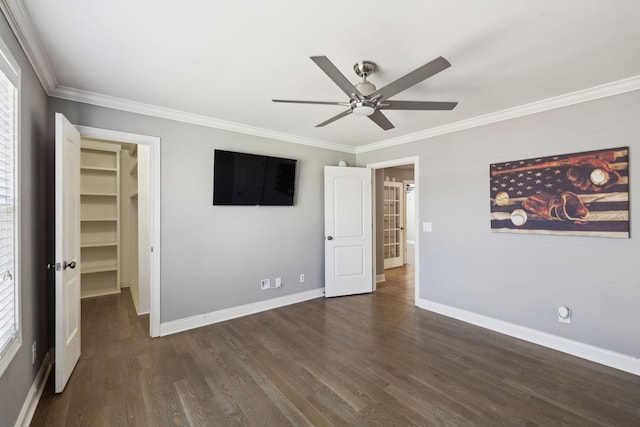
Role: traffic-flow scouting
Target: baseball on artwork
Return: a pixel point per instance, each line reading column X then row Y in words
column 579, row 194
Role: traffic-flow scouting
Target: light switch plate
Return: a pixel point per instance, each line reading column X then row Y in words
column 427, row 227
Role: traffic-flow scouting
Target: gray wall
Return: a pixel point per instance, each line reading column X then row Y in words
column 17, row 379
column 522, row 279
column 213, row 257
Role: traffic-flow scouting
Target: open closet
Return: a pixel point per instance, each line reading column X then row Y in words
column 114, row 220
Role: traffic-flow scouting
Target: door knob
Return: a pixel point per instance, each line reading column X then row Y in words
column 329, row 238
column 71, row 265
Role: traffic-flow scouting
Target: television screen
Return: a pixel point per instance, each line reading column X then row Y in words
column 250, row 179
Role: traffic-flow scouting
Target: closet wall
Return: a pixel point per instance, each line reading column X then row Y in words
column 129, row 215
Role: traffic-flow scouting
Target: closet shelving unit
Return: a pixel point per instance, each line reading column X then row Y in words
column 99, row 218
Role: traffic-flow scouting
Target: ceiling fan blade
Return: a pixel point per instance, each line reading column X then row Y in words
column 289, row 101
column 381, row 120
column 413, row 78
column 335, row 75
column 418, row 105
column 334, row 118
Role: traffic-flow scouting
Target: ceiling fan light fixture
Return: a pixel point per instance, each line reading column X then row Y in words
column 363, row 108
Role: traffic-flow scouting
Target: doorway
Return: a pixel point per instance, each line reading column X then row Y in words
column 404, row 169
column 135, row 204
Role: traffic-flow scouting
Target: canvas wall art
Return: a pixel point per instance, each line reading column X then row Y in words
column 579, row 194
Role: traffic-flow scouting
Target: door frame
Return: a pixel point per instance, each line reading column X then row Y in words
column 405, row 184
column 388, row 164
column 153, row 142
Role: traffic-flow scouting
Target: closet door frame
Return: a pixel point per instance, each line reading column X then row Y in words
column 154, row 221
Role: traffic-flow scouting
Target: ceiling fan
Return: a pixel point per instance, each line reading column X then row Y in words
column 366, row 100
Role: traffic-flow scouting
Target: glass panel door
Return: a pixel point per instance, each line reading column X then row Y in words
column 393, row 229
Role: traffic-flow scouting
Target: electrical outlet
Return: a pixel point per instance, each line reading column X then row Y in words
column 564, row 314
column 278, row 282
column 265, row 284
column 34, row 349
column 302, row 278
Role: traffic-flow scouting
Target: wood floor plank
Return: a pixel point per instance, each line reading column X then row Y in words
column 372, row 359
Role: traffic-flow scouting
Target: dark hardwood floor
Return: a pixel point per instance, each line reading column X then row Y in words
column 361, row 360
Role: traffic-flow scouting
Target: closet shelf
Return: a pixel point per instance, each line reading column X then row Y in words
column 98, row 244
column 97, row 219
column 99, row 194
column 98, row 267
column 96, row 168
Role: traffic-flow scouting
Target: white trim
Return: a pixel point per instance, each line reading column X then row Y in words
column 35, row 392
column 416, row 176
column 585, row 351
column 380, row 278
column 24, row 31
column 154, row 144
column 121, row 104
column 609, row 89
column 205, row 319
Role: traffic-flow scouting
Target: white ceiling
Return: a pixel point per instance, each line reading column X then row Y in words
column 223, row 61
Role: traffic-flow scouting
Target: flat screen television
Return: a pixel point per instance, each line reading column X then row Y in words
column 251, row 179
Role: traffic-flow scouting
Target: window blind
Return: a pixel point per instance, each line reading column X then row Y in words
column 9, row 315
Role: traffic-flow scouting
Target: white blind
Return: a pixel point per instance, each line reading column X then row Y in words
column 9, row 324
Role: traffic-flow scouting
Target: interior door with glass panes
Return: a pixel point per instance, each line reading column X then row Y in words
column 393, row 225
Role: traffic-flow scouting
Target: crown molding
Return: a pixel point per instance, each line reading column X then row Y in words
column 602, row 91
column 609, row 89
column 27, row 36
column 92, row 98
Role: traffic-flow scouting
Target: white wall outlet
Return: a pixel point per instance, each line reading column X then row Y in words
column 427, row 227
column 278, row 282
column 302, row 278
column 34, row 350
column 265, row 284
column 564, row 314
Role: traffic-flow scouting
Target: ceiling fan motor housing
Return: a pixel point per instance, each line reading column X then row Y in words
column 365, row 87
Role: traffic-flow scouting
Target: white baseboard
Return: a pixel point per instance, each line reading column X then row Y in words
column 193, row 322
column 380, row 278
column 585, row 351
column 33, row 397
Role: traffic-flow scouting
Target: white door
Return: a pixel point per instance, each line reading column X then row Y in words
column 67, row 197
column 348, row 231
column 393, row 224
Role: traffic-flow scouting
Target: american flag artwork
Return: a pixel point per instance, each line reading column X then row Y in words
column 579, row 194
